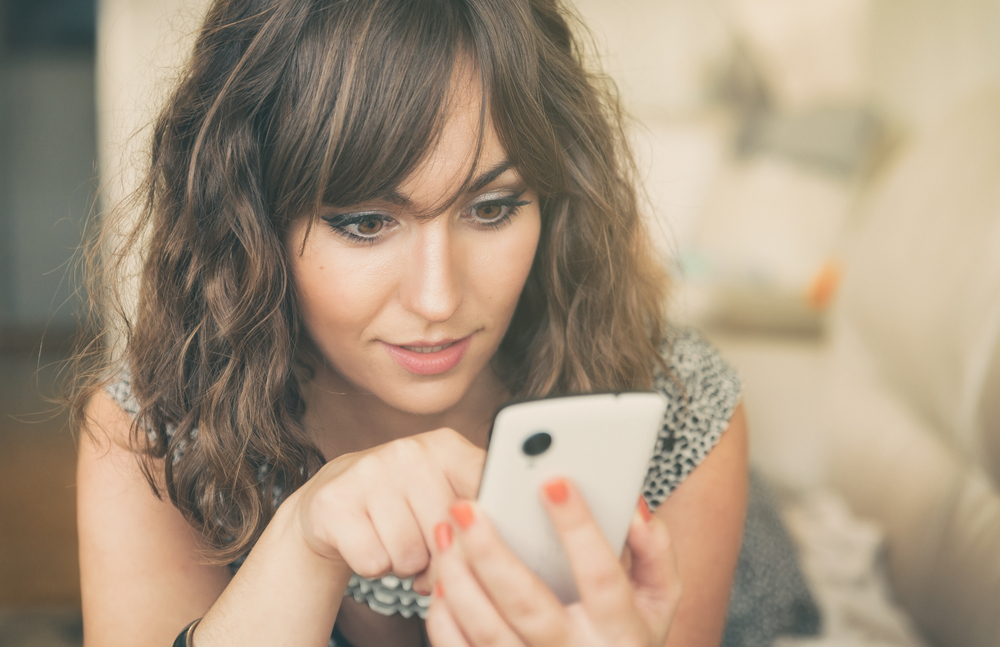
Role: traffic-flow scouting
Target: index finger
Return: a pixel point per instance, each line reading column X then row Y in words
column 520, row 597
column 604, row 587
column 460, row 460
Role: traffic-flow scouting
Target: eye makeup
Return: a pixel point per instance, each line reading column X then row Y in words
column 491, row 211
column 495, row 210
column 361, row 227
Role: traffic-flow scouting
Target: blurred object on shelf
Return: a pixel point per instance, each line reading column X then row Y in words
column 752, row 193
column 767, row 240
column 839, row 139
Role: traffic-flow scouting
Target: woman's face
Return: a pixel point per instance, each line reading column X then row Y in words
column 408, row 297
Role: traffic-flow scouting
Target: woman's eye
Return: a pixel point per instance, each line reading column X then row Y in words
column 360, row 227
column 370, row 226
column 496, row 212
column 489, row 212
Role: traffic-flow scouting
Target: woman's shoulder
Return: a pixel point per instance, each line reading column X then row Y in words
column 695, row 369
column 107, row 421
column 120, row 390
column 702, row 393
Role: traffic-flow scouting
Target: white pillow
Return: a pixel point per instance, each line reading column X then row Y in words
column 941, row 518
column 922, row 290
column 913, row 413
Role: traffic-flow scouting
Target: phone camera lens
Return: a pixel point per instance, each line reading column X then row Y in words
column 537, row 443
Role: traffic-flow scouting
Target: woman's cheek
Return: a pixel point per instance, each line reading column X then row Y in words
column 501, row 267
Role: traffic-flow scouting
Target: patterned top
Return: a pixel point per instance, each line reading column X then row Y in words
column 702, row 392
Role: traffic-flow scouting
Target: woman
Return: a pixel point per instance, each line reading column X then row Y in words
column 367, row 225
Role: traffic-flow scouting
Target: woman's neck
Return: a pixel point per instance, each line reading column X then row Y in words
column 342, row 418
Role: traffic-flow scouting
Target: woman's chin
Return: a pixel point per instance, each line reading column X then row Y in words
column 423, row 402
column 409, row 393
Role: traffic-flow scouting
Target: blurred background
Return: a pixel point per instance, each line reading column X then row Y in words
column 48, row 181
column 822, row 180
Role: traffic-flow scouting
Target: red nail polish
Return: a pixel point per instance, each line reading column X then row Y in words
column 644, row 509
column 438, row 589
column 442, row 535
column 556, row 491
column 461, row 512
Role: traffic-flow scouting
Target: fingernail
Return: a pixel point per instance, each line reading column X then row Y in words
column 644, row 509
column 461, row 512
column 421, row 591
column 438, row 589
column 556, row 491
column 442, row 535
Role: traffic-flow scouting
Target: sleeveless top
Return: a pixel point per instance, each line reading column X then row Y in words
column 702, row 392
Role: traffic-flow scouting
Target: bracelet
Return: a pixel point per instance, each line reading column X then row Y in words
column 184, row 638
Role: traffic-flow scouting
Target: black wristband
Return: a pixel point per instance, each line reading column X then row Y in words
column 184, row 638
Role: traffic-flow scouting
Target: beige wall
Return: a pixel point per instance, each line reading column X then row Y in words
column 928, row 54
column 140, row 44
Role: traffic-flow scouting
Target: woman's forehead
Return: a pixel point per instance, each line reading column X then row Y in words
column 465, row 157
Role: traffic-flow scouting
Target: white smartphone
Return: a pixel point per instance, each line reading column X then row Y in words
column 601, row 442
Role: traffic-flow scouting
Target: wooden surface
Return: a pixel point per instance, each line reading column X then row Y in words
column 38, row 553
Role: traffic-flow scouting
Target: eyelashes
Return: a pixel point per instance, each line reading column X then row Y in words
column 368, row 227
column 496, row 213
column 365, row 227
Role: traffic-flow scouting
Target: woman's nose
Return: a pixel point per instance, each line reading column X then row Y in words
column 431, row 285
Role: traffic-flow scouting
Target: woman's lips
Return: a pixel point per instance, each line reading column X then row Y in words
column 429, row 360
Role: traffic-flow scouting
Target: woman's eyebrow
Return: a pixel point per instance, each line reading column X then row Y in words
column 490, row 175
column 397, row 198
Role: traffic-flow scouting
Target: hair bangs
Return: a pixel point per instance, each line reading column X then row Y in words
column 509, row 52
column 364, row 102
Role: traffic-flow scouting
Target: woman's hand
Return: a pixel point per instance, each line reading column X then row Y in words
column 375, row 510
column 486, row 596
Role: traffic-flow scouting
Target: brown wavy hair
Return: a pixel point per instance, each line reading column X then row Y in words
column 288, row 104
